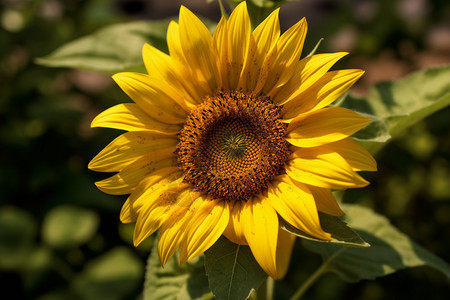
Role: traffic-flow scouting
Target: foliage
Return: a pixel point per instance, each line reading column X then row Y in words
column 397, row 105
column 112, row 49
column 232, row 271
column 389, row 251
column 58, row 238
column 175, row 282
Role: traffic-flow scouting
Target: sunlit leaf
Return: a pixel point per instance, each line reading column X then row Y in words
column 111, row 49
column 110, row 276
column 175, row 282
column 390, row 249
column 341, row 234
column 69, row 226
column 232, row 270
column 397, row 105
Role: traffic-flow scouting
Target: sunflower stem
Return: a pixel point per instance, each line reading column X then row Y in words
column 270, row 283
column 265, row 291
column 307, row 284
column 222, row 9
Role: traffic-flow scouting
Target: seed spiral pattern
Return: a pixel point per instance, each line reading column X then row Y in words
column 232, row 145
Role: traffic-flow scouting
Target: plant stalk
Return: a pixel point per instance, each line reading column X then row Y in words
column 265, row 291
column 222, row 9
column 307, row 284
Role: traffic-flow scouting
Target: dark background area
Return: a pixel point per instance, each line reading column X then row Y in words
column 59, row 235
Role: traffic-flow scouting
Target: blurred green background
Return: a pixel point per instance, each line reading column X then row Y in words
column 60, row 238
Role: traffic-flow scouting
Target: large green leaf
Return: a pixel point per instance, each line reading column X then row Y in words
column 110, row 276
column 396, row 105
column 341, row 234
column 69, row 226
column 111, row 49
column 233, row 273
column 390, row 249
column 175, row 282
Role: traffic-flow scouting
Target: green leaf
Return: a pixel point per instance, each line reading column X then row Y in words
column 110, row 276
column 341, row 234
column 397, row 105
column 17, row 233
column 111, row 49
column 69, row 226
column 390, row 249
column 233, row 273
column 175, row 282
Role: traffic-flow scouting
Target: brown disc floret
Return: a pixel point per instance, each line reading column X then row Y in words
column 232, row 145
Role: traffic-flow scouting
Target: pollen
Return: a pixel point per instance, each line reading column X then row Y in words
column 232, row 145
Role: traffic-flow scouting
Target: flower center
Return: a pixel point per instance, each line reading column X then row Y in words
column 232, row 145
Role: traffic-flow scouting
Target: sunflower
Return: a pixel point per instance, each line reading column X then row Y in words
column 229, row 133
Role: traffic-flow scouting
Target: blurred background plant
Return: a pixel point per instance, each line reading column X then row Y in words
column 60, row 237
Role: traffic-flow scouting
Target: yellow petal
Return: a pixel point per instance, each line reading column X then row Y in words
column 322, row 93
column 154, row 96
column 130, row 146
column 219, row 42
column 126, row 180
column 295, row 204
column 262, row 40
column 191, row 83
column 128, row 215
column 239, row 29
column 308, row 71
column 195, row 40
column 157, row 63
column 325, row 201
column 234, row 231
column 174, row 228
column 204, row 228
column 157, row 209
column 327, row 170
column 285, row 245
column 174, row 73
column 326, row 125
column 130, row 117
column 260, row 223
column 174, row 43
column 149, row 185
column 356, row 155
column 342, row 80
column 284, row 58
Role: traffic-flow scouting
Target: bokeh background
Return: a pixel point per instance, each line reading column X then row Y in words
column 60, row 238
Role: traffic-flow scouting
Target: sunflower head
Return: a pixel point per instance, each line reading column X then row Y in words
column 228, row 133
